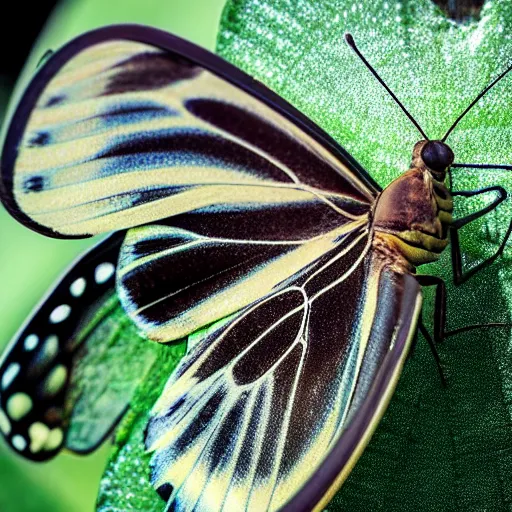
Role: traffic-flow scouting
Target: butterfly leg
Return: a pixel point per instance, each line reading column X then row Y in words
column 459, row 276
column 435, row 353
column 440, row 332
column 439, row 306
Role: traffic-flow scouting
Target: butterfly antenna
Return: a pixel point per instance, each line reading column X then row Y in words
column 472, row 104
column 350, row 41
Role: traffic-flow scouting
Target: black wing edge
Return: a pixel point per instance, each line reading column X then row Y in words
column 164, row 41
column 322, row 486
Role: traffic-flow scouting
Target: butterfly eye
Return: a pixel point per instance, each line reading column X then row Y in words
column 437, row 155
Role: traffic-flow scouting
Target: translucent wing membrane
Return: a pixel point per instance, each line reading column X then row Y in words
column 35, row 370
column 263, row 402
column 121, row 133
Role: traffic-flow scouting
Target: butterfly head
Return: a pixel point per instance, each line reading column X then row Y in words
column 435, row 155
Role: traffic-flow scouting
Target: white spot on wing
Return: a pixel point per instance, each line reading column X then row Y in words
column 104, row 272
column 77, row 288
column 51, row 347
column 60, row 313
column 38, row 433
column 10, row 374
column 54, row 439
column 18, row 406
column 31, row 342
column 5, row 424
column 55, row 380
column 19, row 443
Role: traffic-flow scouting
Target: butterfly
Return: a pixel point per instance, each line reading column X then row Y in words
column 229, row 209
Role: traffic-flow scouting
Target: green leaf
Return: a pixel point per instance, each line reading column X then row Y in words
column 434, row 66
column 125, row 484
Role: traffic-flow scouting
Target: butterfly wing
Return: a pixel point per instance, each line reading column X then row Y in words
column 281, row 400
column 113, row 133
column 394, row 308
column 37, row 369
column 172, row 281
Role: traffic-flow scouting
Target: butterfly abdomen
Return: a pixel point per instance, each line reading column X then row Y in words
column 412, row 216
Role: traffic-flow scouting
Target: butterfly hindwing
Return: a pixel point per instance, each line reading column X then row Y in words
column 392, row 304
column 35, row 370
column 262, row 403
column 172, row 281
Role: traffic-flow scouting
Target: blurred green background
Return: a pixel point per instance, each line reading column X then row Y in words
column 30, row 263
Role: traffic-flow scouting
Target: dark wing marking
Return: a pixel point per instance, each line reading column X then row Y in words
column 113, row 133
column 35, row 369
column 172, row 281
column 292, row 383
column 392, row 329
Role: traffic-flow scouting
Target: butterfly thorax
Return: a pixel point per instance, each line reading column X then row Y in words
column 412, row 215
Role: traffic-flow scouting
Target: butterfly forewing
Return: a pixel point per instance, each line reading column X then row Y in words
column 125, row 134
column 242, row 210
